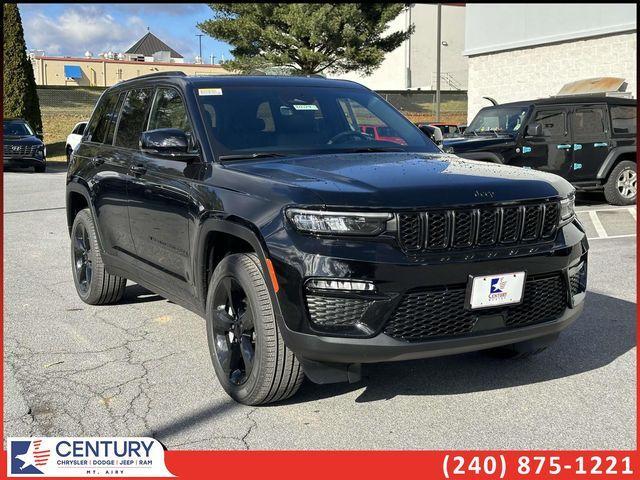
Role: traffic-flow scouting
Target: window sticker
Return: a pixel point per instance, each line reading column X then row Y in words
column 308, row 106
column 209, row 91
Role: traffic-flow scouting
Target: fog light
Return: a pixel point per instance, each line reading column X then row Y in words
column 344, row 285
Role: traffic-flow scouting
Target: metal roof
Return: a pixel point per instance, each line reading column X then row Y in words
column 150, row 44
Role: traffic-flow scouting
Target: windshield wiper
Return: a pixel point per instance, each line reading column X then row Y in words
column 373, row 149
column 244, row 156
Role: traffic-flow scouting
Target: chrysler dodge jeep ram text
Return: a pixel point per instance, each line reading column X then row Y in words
column 309, row 246
column 588, row 139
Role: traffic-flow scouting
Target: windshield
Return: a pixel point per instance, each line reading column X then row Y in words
column 497, row 120
column 305, row 120
column 16, row 129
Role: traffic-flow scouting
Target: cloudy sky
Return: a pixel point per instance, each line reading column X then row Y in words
column 72, row 29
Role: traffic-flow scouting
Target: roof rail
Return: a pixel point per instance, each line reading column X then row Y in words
column 175, row 73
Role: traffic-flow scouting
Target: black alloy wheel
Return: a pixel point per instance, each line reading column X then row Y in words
column 82, row 257
column 234, row 331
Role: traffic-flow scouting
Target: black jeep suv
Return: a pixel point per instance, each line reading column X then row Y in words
column 308, row 246
column 22, row 146
column 589, row 140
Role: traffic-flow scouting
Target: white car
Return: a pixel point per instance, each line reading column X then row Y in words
column 73, row 139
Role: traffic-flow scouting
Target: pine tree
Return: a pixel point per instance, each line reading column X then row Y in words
column 307, row 38
column 20, row 97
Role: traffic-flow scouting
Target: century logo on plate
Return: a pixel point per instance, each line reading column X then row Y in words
column 498, row 287
column 86, row 456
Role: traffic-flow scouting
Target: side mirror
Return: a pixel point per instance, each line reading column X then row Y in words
column 40, row 136
column 168, row 142
column 534, row 130
column 434, row 133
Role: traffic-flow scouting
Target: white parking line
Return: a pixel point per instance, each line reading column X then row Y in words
column 611, row 237
column 632, row 211
column 602, row 233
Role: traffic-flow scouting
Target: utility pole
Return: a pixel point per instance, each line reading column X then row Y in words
column 200, row 35
column 438, row 60
column 407, row 53
column 212, row 57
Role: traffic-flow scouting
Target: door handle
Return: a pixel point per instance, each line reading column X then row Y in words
column 564, row 146
column 138, row 169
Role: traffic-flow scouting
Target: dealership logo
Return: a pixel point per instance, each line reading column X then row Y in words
column 497, row 289
column 28, row 457
column 86, row 456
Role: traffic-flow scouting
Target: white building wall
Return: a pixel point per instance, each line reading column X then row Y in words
column 391, row 75
column 538, row 72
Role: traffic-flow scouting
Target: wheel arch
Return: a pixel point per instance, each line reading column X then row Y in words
column 220, row 237
column 77, row 198
column 615, row 156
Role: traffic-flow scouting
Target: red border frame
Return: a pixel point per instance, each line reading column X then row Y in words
column 383, row 465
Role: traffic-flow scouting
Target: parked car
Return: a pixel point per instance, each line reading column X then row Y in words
column 589, row 140
column 448, row 130
column 73, row 139
column 21, row 146
column 434, row 133
column 382, row 133
column 308, row 246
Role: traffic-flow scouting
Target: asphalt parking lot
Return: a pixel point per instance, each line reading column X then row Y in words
column 142, row 367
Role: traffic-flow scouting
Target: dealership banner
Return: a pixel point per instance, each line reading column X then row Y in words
column 86, row 457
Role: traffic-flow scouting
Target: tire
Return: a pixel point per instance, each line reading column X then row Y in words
column 238, row 291
column 523, row 349
column 95, row 286
column 40, row 168
column 622, row 185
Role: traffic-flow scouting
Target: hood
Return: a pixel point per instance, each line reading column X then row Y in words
column 21, row 140
column 405, row 180
column 467, row 144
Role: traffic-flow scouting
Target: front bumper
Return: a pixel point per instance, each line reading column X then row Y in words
column 23, row 162
column 297, row 258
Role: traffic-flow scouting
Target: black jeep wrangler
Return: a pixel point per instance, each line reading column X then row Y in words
column 308, row 246
column 589, row 140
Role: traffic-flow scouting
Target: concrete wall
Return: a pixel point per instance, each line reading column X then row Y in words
column 505, row 26
column 538, row 72
column 99, row 73
column 392, row 73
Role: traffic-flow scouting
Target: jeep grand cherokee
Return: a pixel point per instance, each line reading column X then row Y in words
column 308, row 246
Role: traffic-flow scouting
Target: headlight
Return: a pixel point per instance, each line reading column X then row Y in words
column 567, row 209
column 338, row 223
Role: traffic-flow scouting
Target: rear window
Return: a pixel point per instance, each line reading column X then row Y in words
column 133, row 117
column 588, row 121
column 623, row 119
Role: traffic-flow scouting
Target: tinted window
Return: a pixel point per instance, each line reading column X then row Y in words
column 588, row 121
column 498, row 119
column 169, row 111
column 623, row 119
column 303, row 120
column 107, row 117
column 553, row 122
column 133, row 118
column 18, row 129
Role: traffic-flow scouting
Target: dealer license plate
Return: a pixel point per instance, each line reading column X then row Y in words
column 497, row 290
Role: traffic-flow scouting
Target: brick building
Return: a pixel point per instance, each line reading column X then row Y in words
column 528, row 51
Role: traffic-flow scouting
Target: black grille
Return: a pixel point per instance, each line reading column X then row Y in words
column 578, row 280
column 335, row 311
column 437, row 229
column 551, row 218
column 21, row 150
column 469, row 228
column 427, row 314
column 411, row 225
